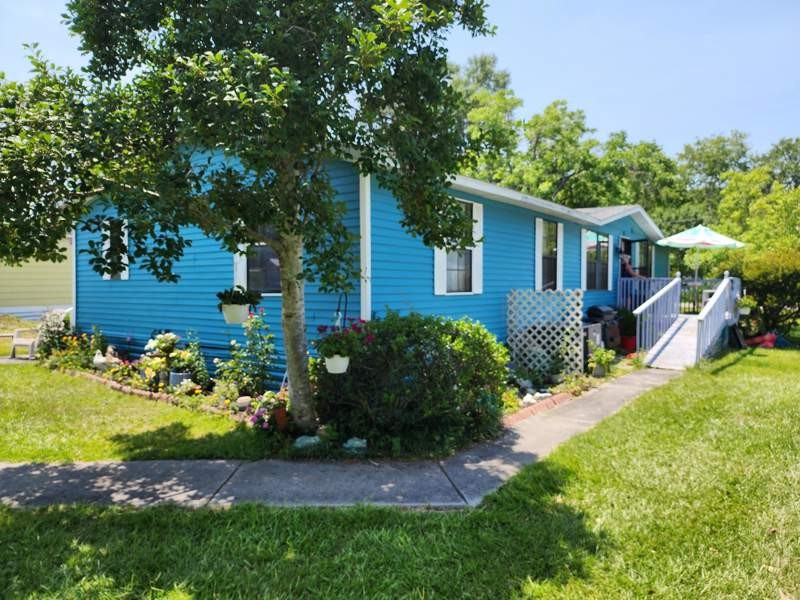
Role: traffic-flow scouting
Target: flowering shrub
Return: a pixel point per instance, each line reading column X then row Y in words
column 342, row 341
column 74, row 352
column 53, row 328
column 421, row 383
column 127, row 373
column 248, row 367
column 163, row 344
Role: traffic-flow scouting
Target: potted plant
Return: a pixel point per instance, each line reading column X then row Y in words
column 627, row 330
column 180, row 367
column 235, row 303
column 338, row 346
column 557, row 365
column 600, row 360
column 746, row 304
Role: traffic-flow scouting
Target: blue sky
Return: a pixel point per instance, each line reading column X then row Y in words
column 669, row 70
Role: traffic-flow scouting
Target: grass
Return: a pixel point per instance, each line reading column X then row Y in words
column 8, row 324
column 690, row 492
column 50, row 416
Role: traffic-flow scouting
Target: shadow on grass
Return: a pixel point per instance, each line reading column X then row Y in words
column 175, row 441
column 740, row 355
column 522, row 535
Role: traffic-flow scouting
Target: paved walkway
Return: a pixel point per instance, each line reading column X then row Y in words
column 457, row 482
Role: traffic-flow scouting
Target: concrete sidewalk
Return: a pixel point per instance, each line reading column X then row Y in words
column 457, row 482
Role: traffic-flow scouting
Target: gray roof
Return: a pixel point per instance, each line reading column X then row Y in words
column 606, row 213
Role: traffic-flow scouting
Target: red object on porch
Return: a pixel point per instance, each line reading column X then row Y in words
column 628, row 343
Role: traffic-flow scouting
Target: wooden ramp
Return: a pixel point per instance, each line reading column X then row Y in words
column 677, row 348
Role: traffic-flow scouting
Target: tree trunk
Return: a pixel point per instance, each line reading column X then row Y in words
column 293, row 321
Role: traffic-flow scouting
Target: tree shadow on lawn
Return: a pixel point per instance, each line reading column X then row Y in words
column 524, row 533
column 174, row 441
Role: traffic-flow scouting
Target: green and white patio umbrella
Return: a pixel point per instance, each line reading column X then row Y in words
column 700, row 237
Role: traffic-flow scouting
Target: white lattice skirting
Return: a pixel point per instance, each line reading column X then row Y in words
column 543, row 326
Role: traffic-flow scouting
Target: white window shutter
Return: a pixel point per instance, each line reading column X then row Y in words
column 124, row 274
column 439, row 272
column 560, row 258
column 583, row 258
column 477, row 251
column 240, row 268
column 538, row 240
column 126, row 271
column 611, row 262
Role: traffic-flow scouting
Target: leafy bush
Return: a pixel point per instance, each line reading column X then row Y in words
column 53, row 328
column 74, row 352
column 627, row 322
column 416, row 384
column 249, row 365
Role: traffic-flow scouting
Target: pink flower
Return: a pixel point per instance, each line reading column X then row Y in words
column 262, row 311
column 322, row 328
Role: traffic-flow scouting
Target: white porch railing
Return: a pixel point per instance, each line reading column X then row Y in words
column 720, row 312
column 657, row 314
column 633, row 292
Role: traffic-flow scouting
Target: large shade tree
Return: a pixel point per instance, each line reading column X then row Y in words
column 223, row 114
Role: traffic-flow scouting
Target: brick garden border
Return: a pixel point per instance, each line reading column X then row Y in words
column 508, row 420
column 535, row 409
column 155, row 396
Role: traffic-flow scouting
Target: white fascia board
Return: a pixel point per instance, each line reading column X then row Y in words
column 501, row 194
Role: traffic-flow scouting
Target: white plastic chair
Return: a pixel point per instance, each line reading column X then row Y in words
column 24, row 338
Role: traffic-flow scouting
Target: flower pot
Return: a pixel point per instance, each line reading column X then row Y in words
column 281, row 417
column 628, row 343
column 337, row 364
column 235, row 314
column 744, row 310
column 599, row 371
column 176, row 378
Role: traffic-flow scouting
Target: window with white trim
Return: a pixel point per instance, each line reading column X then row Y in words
column 549, row 235
column 596, row 255
column 115, row 240
column 461, row 272
column 260, row 269
column 643, row 258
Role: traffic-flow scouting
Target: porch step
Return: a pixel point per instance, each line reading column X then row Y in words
column 677, row 348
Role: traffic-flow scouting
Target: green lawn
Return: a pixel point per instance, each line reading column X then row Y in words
column 691, row 492
column 49, row 416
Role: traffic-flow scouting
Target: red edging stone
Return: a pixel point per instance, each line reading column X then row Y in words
column 535, row 409
column 131, row 391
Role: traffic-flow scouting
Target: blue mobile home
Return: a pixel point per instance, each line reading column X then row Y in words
column 527, row 243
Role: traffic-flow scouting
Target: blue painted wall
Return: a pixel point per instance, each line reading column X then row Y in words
column 402, row 277
column 403, row 272
column 129, row 311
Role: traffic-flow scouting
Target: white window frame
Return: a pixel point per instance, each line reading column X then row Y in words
column 440, row 258
column 538, row 252
column 240, row 270
column 124, row 275
column 611, row 255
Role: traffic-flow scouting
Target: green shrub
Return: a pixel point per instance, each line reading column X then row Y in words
column 249, row 365
column 416, row 384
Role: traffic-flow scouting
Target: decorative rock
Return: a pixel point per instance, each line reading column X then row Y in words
column 528, row 399
column 355, row 444
column 306, row 441
column 541, row 395
column 243, row 402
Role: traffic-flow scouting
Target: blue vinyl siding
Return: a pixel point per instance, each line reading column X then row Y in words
column 129, row 311
column 661, row 267
column 402, row 266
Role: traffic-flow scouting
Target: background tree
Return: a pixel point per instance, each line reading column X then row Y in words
column 223, row 115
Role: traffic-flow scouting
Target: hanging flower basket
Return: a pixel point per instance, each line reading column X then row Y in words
column 235, row 303
column 337, row 364
column 235, row 314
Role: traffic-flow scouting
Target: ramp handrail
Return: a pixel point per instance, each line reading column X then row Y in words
column 716, row 315
column 632, row 291
column 657, row 314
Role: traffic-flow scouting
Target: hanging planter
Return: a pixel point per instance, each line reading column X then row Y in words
column 235, row 303
column 337, row 364
column 746, row 304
